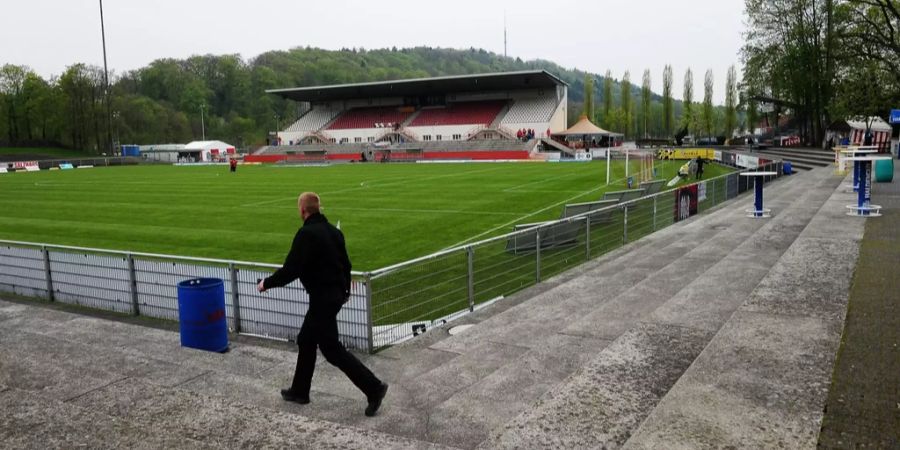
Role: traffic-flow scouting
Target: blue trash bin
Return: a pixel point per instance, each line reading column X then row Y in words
column 786, row 168
column 201, row 314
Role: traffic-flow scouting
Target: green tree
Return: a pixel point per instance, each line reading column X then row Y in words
column 731, row 93
column 668, row 112
column 625, row 104
column 789, row 53
column 588, row 96
column 12, row 86
column 687, row 112
column 707, row 113
column 752, row 117
column 607, row 98
column 645, row 104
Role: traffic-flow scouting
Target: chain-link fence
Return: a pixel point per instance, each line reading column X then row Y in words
column 388, row 305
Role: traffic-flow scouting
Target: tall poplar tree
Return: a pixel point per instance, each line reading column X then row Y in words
column 668, row 118
column 645, row 104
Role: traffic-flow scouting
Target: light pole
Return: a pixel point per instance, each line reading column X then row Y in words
column 116, row 116
column 276, row 129
column 106, row 84
column 202, row 123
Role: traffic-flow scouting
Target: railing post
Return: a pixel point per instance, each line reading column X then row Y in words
column 587, row 238
column 625, row 227
column 537, row 253
column 369, row 323
column 654, row 212
column 132, row 286
column 235, row 298
column 47, row 273
column 470, row 278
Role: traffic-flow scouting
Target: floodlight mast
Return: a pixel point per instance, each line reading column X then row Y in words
column 109, row 139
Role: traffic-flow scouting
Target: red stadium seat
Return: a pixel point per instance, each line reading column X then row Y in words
column 474, row 113
column 375, row 117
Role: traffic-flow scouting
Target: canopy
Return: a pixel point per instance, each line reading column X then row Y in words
column 584, row 127
column 859, row 123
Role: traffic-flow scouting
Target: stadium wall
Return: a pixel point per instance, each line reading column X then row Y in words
column 472, row 155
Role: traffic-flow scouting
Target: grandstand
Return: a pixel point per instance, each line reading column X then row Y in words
column 454, row 117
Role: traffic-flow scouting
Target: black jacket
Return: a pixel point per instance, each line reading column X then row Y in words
column 318, row 257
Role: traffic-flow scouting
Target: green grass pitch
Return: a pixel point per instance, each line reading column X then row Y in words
column 389, row 212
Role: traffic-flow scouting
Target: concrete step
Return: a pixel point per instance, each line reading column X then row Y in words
column 763, row 379
column 826, row 157
column 208, row 397
column 605, row 402
column 455, row 391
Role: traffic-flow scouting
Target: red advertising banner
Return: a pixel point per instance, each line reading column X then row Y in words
column 21, row 165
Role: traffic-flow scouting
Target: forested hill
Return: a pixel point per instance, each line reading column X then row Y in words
column 161, row 102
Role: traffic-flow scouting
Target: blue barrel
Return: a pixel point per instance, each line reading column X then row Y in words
column 201, row 314
column 786, row 167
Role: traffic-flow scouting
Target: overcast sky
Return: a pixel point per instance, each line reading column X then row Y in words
column 619, row 35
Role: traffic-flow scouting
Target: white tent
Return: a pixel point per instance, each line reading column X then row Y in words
column 854, row 130
column 210, row 150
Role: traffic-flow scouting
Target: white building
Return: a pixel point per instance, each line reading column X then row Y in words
column 197, row 151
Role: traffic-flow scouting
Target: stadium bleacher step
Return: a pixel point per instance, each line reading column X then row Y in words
column 765, row 374
column 604, row 402
column 409, row 119
column 456, row 390
column 499, row 118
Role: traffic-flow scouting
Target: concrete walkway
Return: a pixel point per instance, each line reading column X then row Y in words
column 863, row 408
column 649, row 346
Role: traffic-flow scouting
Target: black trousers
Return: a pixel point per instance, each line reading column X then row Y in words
column 320, row 330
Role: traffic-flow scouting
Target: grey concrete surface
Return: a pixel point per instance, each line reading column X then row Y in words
column 600, row 405
column 591, row 357
column 763, row 380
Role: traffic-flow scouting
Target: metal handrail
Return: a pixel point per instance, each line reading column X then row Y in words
column 385, row 270
column 223, row 262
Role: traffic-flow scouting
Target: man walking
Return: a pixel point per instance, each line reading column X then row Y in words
column 700, row 163
column 318, row 257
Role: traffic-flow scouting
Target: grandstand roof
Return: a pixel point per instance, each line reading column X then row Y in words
column 531, row 79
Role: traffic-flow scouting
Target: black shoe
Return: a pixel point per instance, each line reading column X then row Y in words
column 375, row 402
column 290, row 396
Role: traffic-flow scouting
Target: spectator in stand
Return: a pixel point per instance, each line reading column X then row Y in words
column 549, row 133
column 519, row 134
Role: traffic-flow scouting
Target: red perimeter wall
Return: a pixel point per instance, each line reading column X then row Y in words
column 474, row 155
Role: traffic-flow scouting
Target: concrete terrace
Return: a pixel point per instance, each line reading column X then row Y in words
column 720, row 331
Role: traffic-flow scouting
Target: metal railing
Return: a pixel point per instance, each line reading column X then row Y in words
column 146, row 284
column 387, row 305
column 411, row 297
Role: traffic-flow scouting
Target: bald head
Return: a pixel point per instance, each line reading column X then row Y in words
column 308, row 204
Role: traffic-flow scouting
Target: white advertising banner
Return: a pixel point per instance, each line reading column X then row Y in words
column 747, row 161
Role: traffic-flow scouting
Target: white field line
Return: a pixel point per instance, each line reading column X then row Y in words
column 424, row 211
column 516, row 188
column 377, row 183
column 513, row 222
